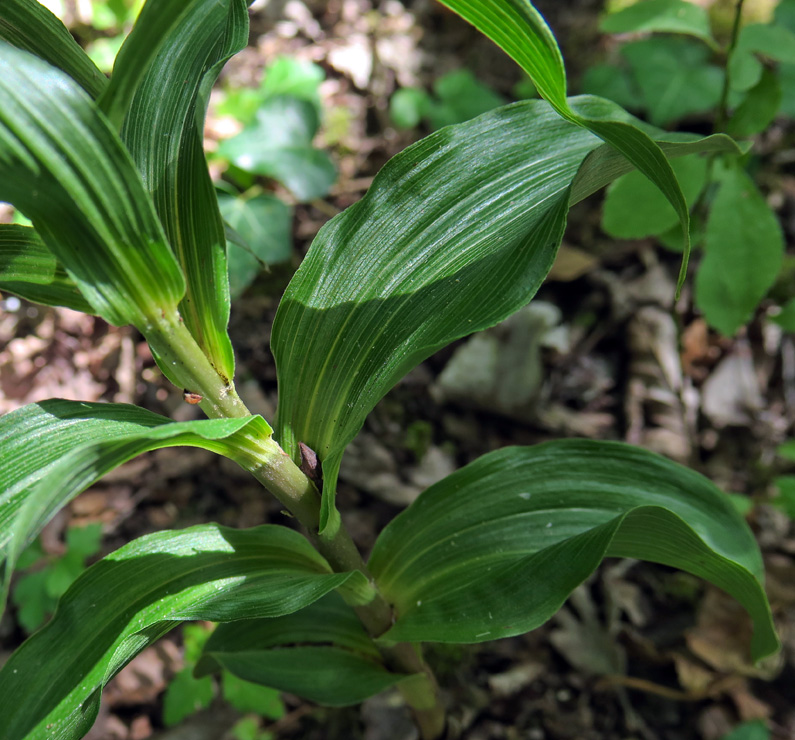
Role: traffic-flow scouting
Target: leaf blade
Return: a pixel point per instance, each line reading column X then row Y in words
column 462, row 565
column 136, row 595
column 164, row 108
column 28, row 269
column 89, row 205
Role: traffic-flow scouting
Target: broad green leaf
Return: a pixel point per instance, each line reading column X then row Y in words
column 612, row 82
column 661, row 16
column 53, row 450
column 329, row 676
column 461, row 96
column 786, row 78
column 298, row 78
column 321, row 653
column 278, row 144
column 251, row 697
column 605, row 164
column 495, row 549
column 186, row 695
column 634, row 208
column 28, row 269
column 163, row 130
column 743, row 250
column 455, row 234
column 518, row 28
column 674, row 77
column 758, row 108
column 771, row 41
column 28, row 25
column 265, row 224
column 51, row 685
column 88, row 204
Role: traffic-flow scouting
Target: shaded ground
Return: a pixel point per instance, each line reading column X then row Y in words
column 640, row 651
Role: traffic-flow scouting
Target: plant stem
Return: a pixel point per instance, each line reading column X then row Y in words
column 184, row 362
column 723, row 104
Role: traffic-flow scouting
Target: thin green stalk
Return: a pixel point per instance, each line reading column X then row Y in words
column 723, row 104
column 267, row 461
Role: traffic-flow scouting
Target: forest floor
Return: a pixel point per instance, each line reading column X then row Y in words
column 604, row 352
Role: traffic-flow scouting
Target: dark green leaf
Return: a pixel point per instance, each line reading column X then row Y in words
column 743, row 251
column 265, row 224
column 51, row 685
column 758, row 108
column 321, row 653
column 53, row 450
column 28, row 25
column 661, row 16
column 327, row 675
column 634, row 208
column 28, row 269
column 461, row 96
column 494, row 549
column 278, row 144
column 88, row 204
column 163, row 130
column 455, row 234
column 611, row 82
column 674, row 77
column 517, row 27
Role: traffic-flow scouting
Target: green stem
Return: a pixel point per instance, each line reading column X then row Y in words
column 184, row 362
column 723, row 105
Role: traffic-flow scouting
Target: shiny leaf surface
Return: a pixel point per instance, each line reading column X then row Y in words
column 496, row 548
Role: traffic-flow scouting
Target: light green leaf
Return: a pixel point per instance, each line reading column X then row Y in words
column 407, row 107
column 298, row 78
column 495, row 549
column 278, row 144
column 250, row 697
column 163, row 130
column 661, row 16
column 518, row 28
column 28, row 25
column 53, row 450
column 461, row 96
column 185, row 695
column 674, row 77
column 320, row 653
column 743, row 249
column 88, row 204
column 265, row 224
column 772, row 41
column 28, row 269
column 634, row 208
column 51, row 685
column 758, row 108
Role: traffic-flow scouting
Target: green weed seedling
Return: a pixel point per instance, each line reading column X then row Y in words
column 679, row 71
column 456, row 233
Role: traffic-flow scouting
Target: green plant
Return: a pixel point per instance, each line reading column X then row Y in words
column 455, row 234
column 37, row 592
column 680, row 71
